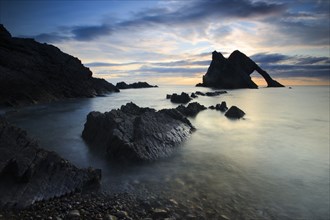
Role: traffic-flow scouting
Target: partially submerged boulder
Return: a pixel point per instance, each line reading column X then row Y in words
column 182, row 98
column 222, row 107
column 192, row 109
column 215, row 93
column 234, row 113
column 29, row 173
column 137, row 134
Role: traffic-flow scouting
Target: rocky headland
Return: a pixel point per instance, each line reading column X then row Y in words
column 234, row 72
column 31, row 72
column 137, row 134
column 29, row 173
column 136, row 85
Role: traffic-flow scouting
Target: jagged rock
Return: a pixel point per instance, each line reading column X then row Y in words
column 234, row 113
column 212, row 107
column 29, row 173
column 168, row 96
column 136, row 85
column 234, row 72
column 182, row 98
column 221, row 107
column 192, row 109
column 31, row 72
column 137, row 134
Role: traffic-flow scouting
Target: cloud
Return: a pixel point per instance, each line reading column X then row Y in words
column 190, row 13
column 279, row 65
column 269, row 58
column 50, row 38
column 87, row 33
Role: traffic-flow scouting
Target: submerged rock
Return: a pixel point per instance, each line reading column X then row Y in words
column 182, row 98
column 32, row 72
column 216, row 93
column 138, row 134
column 234, row 113
column 234, row 72
column 200, row 93
column 29, row 173
column 136, row 85
column 192, row 109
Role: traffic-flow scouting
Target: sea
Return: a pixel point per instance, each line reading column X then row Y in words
column 274, row 162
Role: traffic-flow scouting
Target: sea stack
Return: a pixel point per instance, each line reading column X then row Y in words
column 234, row 72
column 31, row 72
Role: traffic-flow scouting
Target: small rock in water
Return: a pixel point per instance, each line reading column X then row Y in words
column 222, row 107
column 234, row 113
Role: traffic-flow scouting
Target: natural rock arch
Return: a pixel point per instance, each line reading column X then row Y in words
column 234, row 72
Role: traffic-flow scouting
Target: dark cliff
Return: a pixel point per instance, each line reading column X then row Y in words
column 31, row 72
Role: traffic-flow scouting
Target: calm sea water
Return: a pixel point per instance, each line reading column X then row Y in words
column 274, row 161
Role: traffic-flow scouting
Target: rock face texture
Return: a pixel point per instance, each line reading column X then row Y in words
column 136, row 85
column 29, row 173
column 31, row 72
column 137, row 134
column 234, row 72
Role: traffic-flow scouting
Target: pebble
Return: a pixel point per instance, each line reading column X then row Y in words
column 73, row 214
column 224, row 217
column 122, row 214
column 110, row 217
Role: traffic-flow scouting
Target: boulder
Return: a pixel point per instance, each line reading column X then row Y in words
column 136, row 85
column 137, row 134
column 234, row 72
column 182, row 98
column 29, row 173
column 234, row 113
column 32, row 72
column 191, row 110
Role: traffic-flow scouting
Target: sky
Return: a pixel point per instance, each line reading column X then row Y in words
column 170, row 42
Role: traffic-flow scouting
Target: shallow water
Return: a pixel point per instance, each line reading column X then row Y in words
column 275, row 162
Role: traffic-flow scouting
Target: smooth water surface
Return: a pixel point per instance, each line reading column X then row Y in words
column 275, row 160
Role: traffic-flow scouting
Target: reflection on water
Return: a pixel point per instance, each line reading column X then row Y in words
column 275, row 161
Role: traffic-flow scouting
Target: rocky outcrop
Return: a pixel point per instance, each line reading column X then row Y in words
column 234, row 113
column 192, row 109
column 182, row 98
column 31, row 72
column 136, row 134
column 29, row 173
column 136, row 85
column 234, row 72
